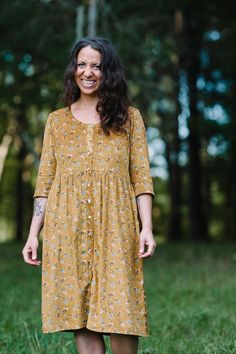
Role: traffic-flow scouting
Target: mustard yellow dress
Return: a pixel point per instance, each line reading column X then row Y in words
column 91, row 273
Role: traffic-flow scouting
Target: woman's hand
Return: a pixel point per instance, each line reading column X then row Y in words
column 146, row 239
column 144, row 202
column 29, row 252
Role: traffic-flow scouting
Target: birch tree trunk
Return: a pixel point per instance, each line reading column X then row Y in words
column 92, row 17
column 79, row 23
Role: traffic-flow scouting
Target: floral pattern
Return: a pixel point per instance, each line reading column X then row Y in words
column 91, row 273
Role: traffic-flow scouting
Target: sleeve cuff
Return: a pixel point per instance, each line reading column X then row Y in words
column 41, row 193
column 142, row 190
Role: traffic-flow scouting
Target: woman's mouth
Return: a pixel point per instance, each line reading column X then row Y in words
column 88, row 83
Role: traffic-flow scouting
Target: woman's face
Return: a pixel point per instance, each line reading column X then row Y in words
column 88, row 73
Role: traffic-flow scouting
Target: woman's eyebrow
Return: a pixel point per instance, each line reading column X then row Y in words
column 92, row 63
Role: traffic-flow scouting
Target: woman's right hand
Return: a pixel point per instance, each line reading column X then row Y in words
column 29, row 252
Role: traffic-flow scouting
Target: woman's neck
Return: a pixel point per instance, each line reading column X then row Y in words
column 86, row 102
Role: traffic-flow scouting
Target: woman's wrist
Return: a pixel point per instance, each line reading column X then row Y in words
column 147, row 227
column 33, row 236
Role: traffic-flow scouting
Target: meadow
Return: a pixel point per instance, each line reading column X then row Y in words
column 191, row 298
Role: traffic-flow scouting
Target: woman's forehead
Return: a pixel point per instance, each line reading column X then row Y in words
column 89, row 54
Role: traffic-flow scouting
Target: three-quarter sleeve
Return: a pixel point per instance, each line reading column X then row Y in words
column 47, row 166
column 139, row 167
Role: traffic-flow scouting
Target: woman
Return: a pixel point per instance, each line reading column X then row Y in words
column 94, row 196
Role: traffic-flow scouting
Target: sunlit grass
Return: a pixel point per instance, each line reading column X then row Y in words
column 191, row 296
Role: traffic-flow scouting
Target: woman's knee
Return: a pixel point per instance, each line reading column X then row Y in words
column 89, row 342
column 124, row 343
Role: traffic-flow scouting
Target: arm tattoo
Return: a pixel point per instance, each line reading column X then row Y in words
column 138, row 200
column 38, row 208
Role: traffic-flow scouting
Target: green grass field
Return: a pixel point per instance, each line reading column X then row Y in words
column 191, row 296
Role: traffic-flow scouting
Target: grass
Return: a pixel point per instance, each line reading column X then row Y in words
column 191, row 296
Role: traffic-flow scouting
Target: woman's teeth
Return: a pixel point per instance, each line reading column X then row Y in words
column 88, row 83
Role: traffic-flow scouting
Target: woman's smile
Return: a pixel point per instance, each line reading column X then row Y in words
column 88, row 83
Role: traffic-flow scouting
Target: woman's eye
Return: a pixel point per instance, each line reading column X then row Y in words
column 81, row 65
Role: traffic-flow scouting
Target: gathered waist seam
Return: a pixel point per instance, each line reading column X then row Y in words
column 60, row 171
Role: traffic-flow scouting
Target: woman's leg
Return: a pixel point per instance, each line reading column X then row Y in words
column 89, row 342
column 124, row 343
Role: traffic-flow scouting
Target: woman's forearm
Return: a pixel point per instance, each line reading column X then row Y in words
column 144, row 203
column 38, row 216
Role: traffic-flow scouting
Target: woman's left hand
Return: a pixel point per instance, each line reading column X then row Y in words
column 146, row 239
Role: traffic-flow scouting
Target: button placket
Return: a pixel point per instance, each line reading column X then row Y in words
column 89, row 147
column 89, row 184
column 89, row 197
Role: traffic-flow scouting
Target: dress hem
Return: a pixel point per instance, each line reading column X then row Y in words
column 105, row 332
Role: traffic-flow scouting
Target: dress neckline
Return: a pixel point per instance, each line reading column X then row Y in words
column 79, row 121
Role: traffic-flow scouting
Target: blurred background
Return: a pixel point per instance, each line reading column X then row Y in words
column 180, row 62
column 180, row 65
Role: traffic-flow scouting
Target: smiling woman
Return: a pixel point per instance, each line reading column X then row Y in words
column 88, row 73
column 95, row 176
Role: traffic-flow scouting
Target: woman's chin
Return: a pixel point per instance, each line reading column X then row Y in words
column 88, row 92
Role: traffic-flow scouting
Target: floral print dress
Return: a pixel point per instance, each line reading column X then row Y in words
column 91, row 273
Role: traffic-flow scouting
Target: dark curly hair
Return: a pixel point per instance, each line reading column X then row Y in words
column 113, row 99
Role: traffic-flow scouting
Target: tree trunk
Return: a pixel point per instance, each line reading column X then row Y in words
column 230, row 189
column 79, row 23
column 197, row 223
column 175, row 221
column 92, row 17
column 174, row 232
column 4, row 149
column 230, row 226
column 20, row 195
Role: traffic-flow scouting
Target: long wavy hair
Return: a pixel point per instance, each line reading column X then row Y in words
column 113, row 99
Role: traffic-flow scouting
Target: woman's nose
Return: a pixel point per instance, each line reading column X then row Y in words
column 88, row 72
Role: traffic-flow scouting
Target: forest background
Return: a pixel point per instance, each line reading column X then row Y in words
column 180, row 65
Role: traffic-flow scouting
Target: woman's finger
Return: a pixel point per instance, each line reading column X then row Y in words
column 29, row 255
column 34, row 254
column 141, row 246
column 150, row 250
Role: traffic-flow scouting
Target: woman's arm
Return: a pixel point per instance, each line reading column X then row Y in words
column 38, row 216
column 144, row 203
column 141, row 179
column 29, row 251
column 46, row 174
